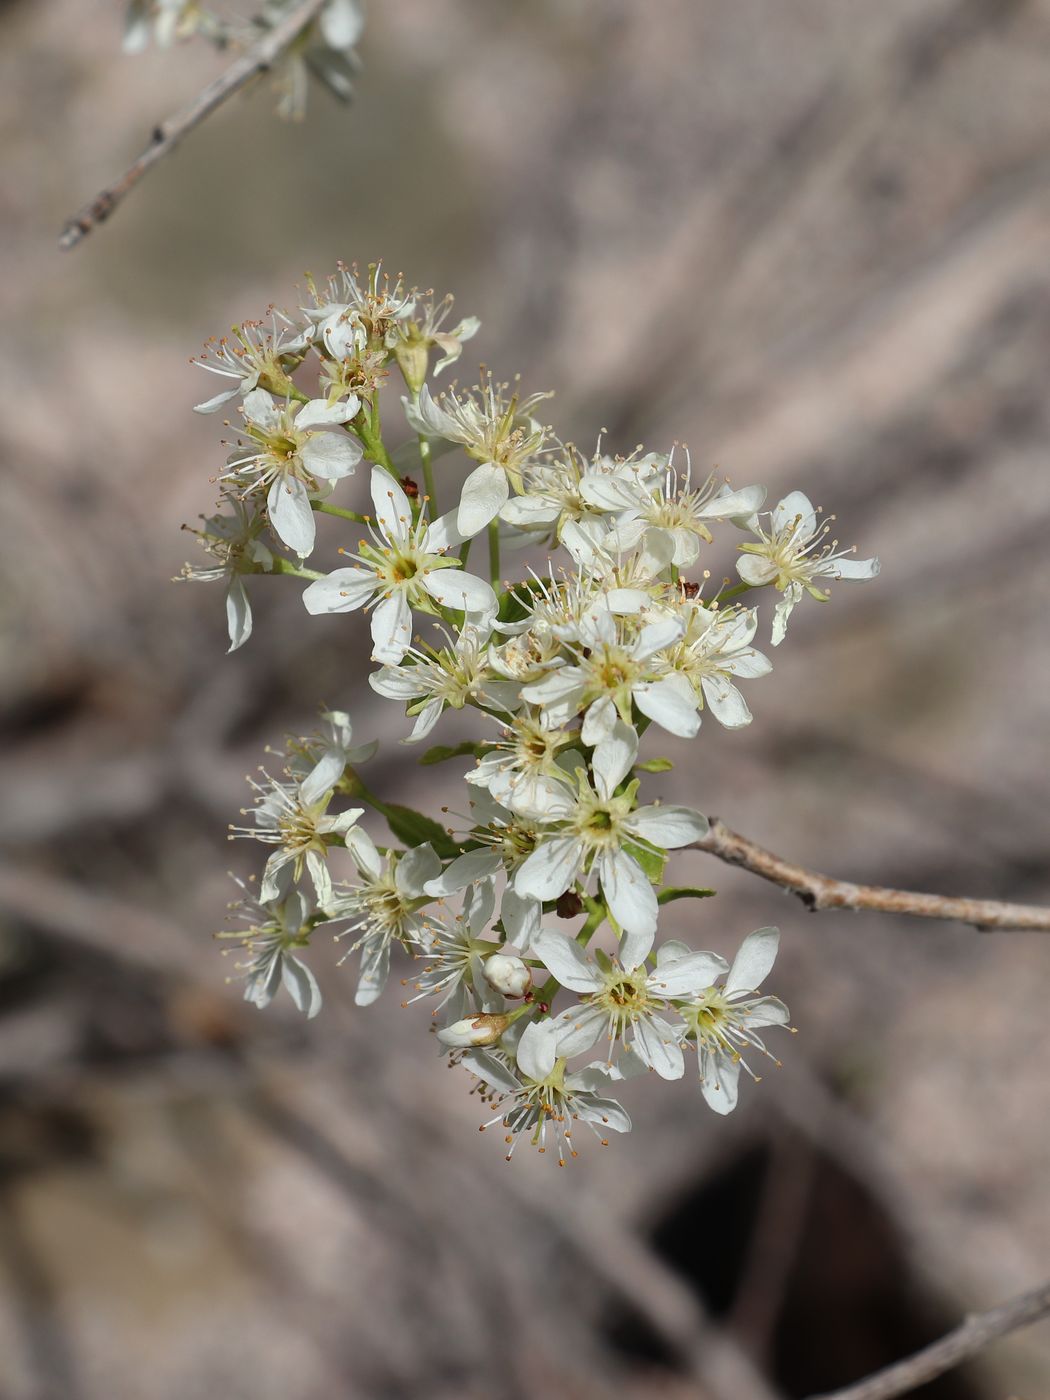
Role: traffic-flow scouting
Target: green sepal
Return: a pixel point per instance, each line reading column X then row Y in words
column 513, row 602
column 655, row 765
column 440, row 752
column 673, row 892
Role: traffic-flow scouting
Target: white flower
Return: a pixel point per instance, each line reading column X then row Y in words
column 551, row 496
column 495, row 429
column 590, row 830
column 330, row 754
column 254, row 359
column 234, row 542
column 723, row 1021
column 614, row 671
column 302, row 832
column 169, row 20
column 715, row 651
column 519, row 768
column 453, row 957
column 416, row 335
column 625, row 1004
column 670, row 504
column 277, row 931
column 383, row 908
column 454, row 676
column 630, row 578
column 404, row 567
column 791, row 554
column 538, row 1097
column 293, row 449
column 326, row 51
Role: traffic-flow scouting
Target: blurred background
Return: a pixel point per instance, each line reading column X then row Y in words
column 808, row 237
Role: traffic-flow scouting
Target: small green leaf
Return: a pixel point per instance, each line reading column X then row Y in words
column 412, row 828
column 513, row 603
column 440, row 752
column 673, row 892
column 652, row 862
column 655, row 765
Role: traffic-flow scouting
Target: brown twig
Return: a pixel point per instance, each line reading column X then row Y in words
column 818, row 891
column 973, row 1336
column 168, row 134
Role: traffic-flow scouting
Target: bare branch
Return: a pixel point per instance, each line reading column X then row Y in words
column 818, row 891
column 973, row 1336
column 168, row 134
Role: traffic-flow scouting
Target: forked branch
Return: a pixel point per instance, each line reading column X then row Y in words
column 166, row 136
column 818, row 891
column 971, row 1337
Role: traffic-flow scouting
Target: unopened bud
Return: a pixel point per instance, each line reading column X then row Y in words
column 569, row 905
column 508, row 975
column 484, row 1029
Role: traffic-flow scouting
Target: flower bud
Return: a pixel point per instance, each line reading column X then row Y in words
column 508, row 975
column 472, row 1031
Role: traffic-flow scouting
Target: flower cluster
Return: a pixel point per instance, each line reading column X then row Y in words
column 326, row 47
column 533, row 923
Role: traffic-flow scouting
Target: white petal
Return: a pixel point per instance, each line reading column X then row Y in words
column 664, row 703
column 634, row 949
column 719, row 1080
column 442, row 534
column 455, row 589
column 795, row 509
column 551, row 869
column 629, row 894
column 857, row 568
column 425, row 720
column 752, row 963
column 599, row 722
column 686, row 975
column 463, row 871
column 491, row 1070
column 565, row 959
column 259, row 409
column 725, row 702
column 319, row 413
column 342, row 591
column 211, row 405
column 391, row 628
column 521, row 919
column 668, row 827
column 375, row 967
column 290, row 514
column 301, row 985
column 606, row 1113
column 578, row 1028
column 654, row 1042
column 324, row 775
column 238, row 614
column 756, row 569
column 363, row 850
column 613, row 758
column 658, row 635
column 538, row 1049
column 393, row 511
column 484, row 494
column 732, row 504
column 416, row 869
column 330, row 456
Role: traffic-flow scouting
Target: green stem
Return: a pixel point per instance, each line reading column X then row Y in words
column 428, row 476
column 464, row 552
column 494, row 553
column 733, row 592
column 367, row 427
column 285, row 566
column 327, row 509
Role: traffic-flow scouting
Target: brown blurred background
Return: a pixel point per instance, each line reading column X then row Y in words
column 809, row 237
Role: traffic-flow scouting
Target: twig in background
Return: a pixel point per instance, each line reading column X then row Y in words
column 971, row 1337
column 169, row 133
column 818, row 891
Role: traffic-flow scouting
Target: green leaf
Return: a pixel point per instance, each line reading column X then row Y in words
column 652, row 862
column 440, row 752
column 412, row 828
column 673, row 892
column 655, row 765
column 513, row 604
